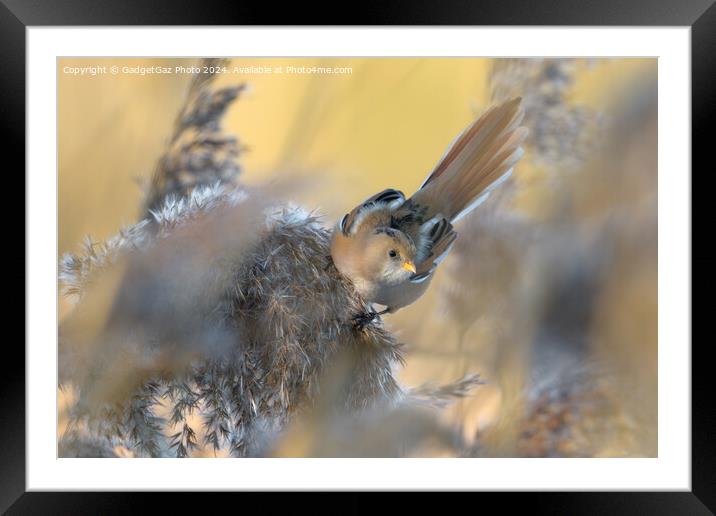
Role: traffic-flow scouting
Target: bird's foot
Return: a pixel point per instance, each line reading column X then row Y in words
column 362, row 320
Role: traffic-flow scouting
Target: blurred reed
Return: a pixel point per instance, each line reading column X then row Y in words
column 198, row 152
column 537, row 286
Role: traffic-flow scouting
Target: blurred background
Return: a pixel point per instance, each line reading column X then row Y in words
column 551, row 290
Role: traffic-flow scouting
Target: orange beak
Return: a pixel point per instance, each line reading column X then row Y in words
column 408, row 266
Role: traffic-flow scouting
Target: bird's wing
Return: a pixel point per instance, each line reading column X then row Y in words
column 391, row 198
column 436, row 239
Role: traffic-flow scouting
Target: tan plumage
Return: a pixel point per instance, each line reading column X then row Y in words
column 389, row 246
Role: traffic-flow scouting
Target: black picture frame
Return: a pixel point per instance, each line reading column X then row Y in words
column 17, row 15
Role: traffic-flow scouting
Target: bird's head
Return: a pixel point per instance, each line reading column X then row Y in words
column 388, row 255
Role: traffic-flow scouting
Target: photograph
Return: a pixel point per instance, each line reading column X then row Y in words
column 339, row 257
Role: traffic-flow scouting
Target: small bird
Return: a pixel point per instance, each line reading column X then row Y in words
column 390, row 246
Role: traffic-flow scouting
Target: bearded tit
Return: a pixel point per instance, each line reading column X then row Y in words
column 390, row 246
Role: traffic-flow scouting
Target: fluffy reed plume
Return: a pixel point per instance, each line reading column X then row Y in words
column 235, row 312
column 561, row 135
column 401, row 426
column 615, row 201
column 496, row 278
column 198, row 151
column 213, row 322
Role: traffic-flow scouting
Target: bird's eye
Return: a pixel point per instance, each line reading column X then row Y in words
column 392, row 253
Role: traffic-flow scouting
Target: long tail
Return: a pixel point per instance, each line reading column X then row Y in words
column 479, row 159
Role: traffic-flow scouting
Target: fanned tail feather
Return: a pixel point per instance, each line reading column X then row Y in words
column 481, row 155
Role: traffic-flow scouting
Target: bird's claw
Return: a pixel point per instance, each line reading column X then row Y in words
column 362, row 320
